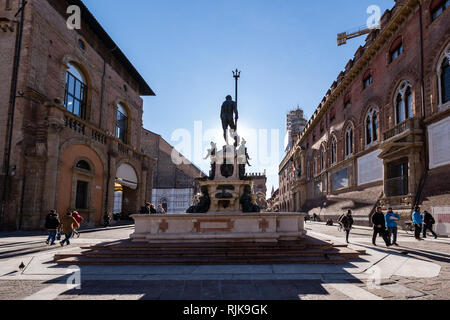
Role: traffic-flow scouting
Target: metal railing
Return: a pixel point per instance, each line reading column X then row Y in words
column 396, row 186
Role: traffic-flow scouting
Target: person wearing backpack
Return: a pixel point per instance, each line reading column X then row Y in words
column 428, row 222
column 346, row 220
column 52, row 225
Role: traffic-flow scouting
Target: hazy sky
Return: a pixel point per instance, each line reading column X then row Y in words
column 186, row 51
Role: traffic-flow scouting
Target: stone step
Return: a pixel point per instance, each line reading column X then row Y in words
column 221, row 253
column 85, row 261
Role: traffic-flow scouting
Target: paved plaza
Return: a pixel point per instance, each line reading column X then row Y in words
column 415, row 270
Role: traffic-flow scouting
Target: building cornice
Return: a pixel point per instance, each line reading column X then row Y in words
column 358, row 67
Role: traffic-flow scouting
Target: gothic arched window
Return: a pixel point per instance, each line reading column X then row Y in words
column 403, row 103
column 371, row 127
column 349, row 141
column 333, row 151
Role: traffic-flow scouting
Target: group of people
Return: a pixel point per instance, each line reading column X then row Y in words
column 386, row 225
column 66, row 225
column 150, row 208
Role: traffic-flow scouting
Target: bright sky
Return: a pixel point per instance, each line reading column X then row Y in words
column 186, row 51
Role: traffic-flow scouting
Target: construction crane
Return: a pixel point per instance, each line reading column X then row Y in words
column 343, row 37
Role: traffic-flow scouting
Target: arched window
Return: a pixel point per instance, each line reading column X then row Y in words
column 367, row 79
column 122, row 123
column 333, row 151
column 322, row 158
column 83, row 165
column 371, row 127
column 396, row 49
column 444, row 78
column 349, row 141
column 403, row 103
column 76, row 91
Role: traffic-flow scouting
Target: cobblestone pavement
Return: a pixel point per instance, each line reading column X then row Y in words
column 410, row 283
column 404, row 287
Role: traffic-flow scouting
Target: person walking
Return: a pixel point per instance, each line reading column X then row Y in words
column 417, row 221
column 428, row 222
column 79, row 219
column 392, row 220
column 160, row 210
column 52, row 225
column 106, row 219
column 68, row 225
column 346, row 221
column 379, row 227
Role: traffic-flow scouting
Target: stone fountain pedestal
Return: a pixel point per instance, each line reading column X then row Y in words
column 227, row 194
column 219, row 227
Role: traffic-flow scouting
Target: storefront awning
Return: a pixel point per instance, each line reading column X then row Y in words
column 126, row 176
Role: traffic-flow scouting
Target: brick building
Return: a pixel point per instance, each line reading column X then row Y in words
column 381, row 135
column 76, row 131
column 174, row 185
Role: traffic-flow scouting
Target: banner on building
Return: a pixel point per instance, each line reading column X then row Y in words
column 370, row 168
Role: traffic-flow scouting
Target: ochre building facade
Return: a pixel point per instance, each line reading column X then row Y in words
column 76, row 131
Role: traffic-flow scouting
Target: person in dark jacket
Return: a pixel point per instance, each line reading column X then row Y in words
column 428, row 222
column 346, row 221
column 379, row 227
column 52, row 225
column 152, row 209
column 146, row 209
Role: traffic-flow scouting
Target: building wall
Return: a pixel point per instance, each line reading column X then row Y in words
column 367, row 183
column 47, row 139
column 173, row 183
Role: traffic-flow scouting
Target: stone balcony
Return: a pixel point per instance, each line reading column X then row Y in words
column 410, row 126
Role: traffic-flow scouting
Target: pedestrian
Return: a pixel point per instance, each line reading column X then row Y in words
column 160, row 210
column 428, row 222
column 379, row 227
column 346, row 221
column 392, row 220
column 152, row 209
column 79, row 219
column 68, row 225
column 106, row 219
column 52, row 225
column 146, row 209
column 417, row 221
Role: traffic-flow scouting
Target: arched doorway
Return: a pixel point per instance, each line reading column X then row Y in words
column 125, row 191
